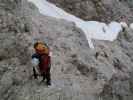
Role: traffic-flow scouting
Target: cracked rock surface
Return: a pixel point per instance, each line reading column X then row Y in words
column 78, row 72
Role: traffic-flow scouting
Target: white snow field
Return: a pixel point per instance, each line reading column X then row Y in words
column 92, row 29
column 131, row 26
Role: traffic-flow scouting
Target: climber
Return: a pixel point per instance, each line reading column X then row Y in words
column 42, row 60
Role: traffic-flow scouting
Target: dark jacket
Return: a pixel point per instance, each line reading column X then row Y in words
column 44, row 62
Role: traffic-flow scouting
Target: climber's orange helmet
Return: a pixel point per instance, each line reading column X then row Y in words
column 41, row 48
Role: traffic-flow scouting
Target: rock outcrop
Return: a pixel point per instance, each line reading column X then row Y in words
column 101, row 10
column 78, row 72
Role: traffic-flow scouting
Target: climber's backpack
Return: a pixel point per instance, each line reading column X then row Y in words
column 41, row 48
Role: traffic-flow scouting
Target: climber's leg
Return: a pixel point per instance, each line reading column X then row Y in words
column 48, row 77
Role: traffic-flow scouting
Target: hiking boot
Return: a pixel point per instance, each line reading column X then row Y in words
column 48, row 83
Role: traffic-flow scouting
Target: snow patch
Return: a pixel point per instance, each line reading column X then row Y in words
column 131, row 26
column 101, row 31
column 92, row 29
column 124, row 24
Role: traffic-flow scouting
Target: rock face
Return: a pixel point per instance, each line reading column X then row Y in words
column 101, row 10
column 78, row 72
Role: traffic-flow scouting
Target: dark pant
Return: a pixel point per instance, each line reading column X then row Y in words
column 47, row 76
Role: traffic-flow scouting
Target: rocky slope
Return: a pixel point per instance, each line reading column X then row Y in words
column 78, row 72
column 101, row 10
